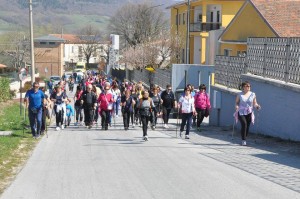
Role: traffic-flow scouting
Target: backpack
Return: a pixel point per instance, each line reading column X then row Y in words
column 146, row 112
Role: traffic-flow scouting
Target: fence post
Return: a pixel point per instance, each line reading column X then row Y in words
column 287, row 61
column 265, row 59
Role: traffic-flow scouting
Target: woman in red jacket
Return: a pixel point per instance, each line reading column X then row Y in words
column 105, row 103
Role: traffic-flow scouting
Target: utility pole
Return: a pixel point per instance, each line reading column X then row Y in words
column 31, row 43
column 188, row 33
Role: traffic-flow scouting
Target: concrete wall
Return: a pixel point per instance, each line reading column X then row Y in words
column 196, row 75
column 280, row 113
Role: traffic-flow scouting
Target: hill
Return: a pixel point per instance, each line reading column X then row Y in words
column 69, row 15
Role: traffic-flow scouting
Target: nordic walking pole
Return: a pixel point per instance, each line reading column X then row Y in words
column 24, row 122
column 177, row 120
column 256, row 134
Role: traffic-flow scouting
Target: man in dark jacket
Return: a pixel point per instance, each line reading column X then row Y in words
column 89, row 103
column 169, row 102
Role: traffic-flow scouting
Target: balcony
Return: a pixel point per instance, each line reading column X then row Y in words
column 204, row 27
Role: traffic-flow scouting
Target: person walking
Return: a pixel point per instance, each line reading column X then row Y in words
column 88, row 100
column 59, row 98
column 78, row 106
column 105, row 102
column 145, row 106
column 157, row 103
column 69, row 113
column 34, row 100
column 186, row 103
column 244, row 103
column 45, row 112
column 202, row 104
column 117, row 98
column 168, row 102
column 127, row 104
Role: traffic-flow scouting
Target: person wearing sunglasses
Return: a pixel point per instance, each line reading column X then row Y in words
column 168, row 102
column 202, row 105
column 34, row 100
column 186, row 103
column 244, row 103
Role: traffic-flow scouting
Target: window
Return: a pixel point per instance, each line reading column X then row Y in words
column 183, row 18
column 179, row 19
column 43, row 43
column 227, row 52
column 51, row 43
column 80, row 51
column 200, row 18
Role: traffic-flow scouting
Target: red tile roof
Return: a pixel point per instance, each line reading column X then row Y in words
column 70, row 38
column 282, row 15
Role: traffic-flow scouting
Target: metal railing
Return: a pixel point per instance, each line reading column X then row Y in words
column 204, row 27
column 275, row 58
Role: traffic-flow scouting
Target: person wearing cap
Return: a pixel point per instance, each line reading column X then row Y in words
column 89, row 102
column 105, row 102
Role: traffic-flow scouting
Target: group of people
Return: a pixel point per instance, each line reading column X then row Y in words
column 97, row 97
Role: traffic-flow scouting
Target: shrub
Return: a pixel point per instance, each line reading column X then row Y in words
column 4, row 89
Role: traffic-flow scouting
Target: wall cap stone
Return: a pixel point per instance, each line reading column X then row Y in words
column 226, row 89
column 274, row 82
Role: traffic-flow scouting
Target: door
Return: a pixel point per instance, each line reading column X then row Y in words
column 197, row 50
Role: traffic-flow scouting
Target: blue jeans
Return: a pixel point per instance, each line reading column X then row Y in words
column 35, row 120
column 116, row 106
column 186, row 120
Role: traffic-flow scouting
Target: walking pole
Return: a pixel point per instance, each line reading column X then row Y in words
column 256, row 134
column 24, row 122
column 177, row 120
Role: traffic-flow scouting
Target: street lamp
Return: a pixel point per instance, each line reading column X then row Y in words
column 31, row 43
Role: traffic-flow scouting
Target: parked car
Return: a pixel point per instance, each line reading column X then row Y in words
column 55, row 79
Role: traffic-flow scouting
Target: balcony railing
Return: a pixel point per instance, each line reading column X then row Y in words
column 204, row 27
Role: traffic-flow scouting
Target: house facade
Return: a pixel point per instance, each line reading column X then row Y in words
column 48, row 52
column 259, row 18
column 74, row 50
column 208, row 18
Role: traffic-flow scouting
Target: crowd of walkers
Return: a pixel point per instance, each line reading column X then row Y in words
column 97, row 96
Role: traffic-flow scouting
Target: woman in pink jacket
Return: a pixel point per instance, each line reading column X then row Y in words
column 105, row 103
column 202, row 104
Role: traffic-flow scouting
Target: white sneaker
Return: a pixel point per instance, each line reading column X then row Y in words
column 146, row 138
column 133, row 126
column 166, row 126
column 187, row 137
column 57, row 128
column 117, row 116
column 244, row 143
column 62, row 127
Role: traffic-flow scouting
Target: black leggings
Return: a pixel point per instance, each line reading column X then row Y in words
column 245, row 121
column 59, row 117
column 166, row 114
column 200, row 116
column 126, row 117
column 145, row 120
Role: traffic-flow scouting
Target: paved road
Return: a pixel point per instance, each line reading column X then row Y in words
column 81, row 163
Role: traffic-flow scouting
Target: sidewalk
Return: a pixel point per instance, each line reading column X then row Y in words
column 269, row 158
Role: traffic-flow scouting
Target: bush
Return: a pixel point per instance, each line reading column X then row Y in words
column 12, row 93
column 4, row 89
column 26, row 87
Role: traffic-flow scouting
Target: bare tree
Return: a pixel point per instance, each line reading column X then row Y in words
column 90, row 42
column 135, row 23
column 16, row 45
column 159, row 52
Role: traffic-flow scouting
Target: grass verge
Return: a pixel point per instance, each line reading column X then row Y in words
column 14, row 149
